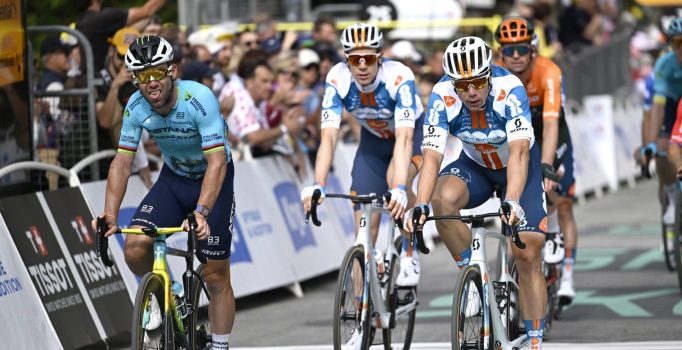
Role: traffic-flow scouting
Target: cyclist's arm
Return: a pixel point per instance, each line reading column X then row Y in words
column 213, row 179
column 656, row 118
column 551, row 114
column 332, row 109
column 520, row 138
column 517, row 168
column 325, row 154
column 433, row 147
column 117, row 182
column 405, row 114
column 428, row 175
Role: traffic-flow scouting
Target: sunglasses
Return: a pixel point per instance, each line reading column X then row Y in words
column 478, row 83
column 677, row 42
column 151, row 74
column 521, row 49
column 251, row 43
column 356, row 60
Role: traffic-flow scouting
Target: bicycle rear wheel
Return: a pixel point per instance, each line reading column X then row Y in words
column 668, row 250
column 469, row 326
column 198, row 323
column 552, row 280
column 152, row 326
column 348, row 308
column 398, row 336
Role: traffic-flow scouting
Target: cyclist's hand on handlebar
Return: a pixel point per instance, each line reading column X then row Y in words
column 203, row 229
column 398, row 203
column 549, row 176
column 409, row 215
column 111, row 224
column 307, row 194
column 517, row 215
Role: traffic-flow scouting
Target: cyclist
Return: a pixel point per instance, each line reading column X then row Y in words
column 667, row 94
column 543, row 82
column 486, row 107
column 183, row 118
column 381, row 94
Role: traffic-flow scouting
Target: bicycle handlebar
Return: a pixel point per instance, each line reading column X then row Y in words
column 506, row 211
column 645, row 168
column 103, row 242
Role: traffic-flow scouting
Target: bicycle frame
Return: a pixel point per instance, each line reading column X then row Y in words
column 490, row 309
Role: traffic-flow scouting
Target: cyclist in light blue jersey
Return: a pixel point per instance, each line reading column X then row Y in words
column 667, row 95
column 487, row 108
column 183, row 117
column 381, row 95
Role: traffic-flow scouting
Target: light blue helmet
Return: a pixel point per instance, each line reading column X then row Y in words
column 675, row 27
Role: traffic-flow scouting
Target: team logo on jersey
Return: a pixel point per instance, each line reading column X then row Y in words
column 398, row 80
column 187, row 95
column 437, row 107
column 449, row 100
column 502, row 95
column 126, row 114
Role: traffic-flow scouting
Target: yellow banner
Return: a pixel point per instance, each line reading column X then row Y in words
column 660, row 2
column 11, row 42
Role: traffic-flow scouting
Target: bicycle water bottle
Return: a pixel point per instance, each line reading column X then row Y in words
column 179, row 293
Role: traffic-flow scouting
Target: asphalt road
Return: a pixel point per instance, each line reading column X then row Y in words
column 625, row 293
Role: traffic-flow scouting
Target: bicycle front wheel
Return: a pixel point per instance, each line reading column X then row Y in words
column 151, row 322
column 677, row 241
column 199, row 325
column 469, row 326
column 668, row 234
column 349, row 312
column 398, row 336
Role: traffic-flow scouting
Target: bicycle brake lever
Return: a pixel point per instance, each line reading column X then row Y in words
column 313, row 209
column 192, row 241
column 103, row 242
column 418, row 235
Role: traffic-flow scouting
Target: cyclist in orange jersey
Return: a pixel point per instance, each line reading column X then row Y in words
column 543, row 82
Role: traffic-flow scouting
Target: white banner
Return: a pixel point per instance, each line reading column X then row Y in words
column 24, row 324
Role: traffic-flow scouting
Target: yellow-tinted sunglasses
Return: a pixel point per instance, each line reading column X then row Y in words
column 152, row 74
column 478, row 83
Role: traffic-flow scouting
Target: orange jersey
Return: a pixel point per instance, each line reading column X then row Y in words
column 544, row 87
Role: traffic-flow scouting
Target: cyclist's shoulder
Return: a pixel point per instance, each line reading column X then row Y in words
column 504, row 80
column 396, row 73
column 340, row 77
column 136, row 105
column 443, row 87
column 191, row 89
column 546, row 68
column 666, row 63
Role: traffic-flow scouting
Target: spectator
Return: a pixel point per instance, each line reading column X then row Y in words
column 580, row 25
column 218, row 40
column 200, row 72
column 153, row 26
column 266, row 29
column 550, row 45
column 247, row 120
column 56, row 65
column 325, row 37
column 247, row 40
column 434, row 64
column 405, row 52
column 328, row 58
column 98, row 23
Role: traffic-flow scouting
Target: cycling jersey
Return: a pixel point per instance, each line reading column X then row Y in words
column 484, row 134
column 390, row 101
column 667, row 77
column 648, row 93
column 193, row 127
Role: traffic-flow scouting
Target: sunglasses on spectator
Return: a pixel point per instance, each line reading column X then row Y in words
column 152, row 74
column 356, row 60
column 251, row 43
column 478, row 83
column 521, row 49
column 677, row 42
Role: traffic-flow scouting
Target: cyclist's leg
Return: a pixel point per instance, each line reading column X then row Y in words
column 159, row 208
column 216, row 248
column 665, row 170
column 532, row 286
column 461, row 184
column 369, row 172
column 564, row 202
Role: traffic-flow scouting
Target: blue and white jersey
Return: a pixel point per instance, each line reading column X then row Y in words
column 485, row 134
column 390, row 101
column 193, row 128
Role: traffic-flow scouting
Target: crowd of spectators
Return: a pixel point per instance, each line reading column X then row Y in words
column 269, row 83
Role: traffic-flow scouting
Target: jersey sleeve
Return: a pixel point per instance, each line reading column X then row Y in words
column 552, row 99
column 436, row 125
column 131, row 129
column 517, row 114
column 406, row 105
column 209, row 121
column 660, row 83
column 332, row 106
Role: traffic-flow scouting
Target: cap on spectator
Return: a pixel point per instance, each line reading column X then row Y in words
column 197, row 70
column 53, row 44
column 271, row 46
column 404, row 49
column 214, row 36
column 123, row 38
column 306, row 57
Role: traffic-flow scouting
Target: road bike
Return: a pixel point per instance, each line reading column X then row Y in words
column 160, row 321
column 485, row 312
column 552, row 273
column 367, row 298
column 677, row 239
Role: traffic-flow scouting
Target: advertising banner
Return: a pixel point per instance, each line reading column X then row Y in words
column 22, row 315
column 50, row 271
column 104, row 285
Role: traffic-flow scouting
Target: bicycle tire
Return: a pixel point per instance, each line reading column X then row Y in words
column 150, row 291
column 552, row 298
column 677, row 242
column 469, row 277
column 403, row 327
column 198, row 322
column 345, row 296
column 513, row 320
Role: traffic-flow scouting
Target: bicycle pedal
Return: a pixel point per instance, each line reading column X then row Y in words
column 565, row 301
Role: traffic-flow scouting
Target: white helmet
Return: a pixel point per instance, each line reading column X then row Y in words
column 467, row 58
column 147, row 51
column 361, row 35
